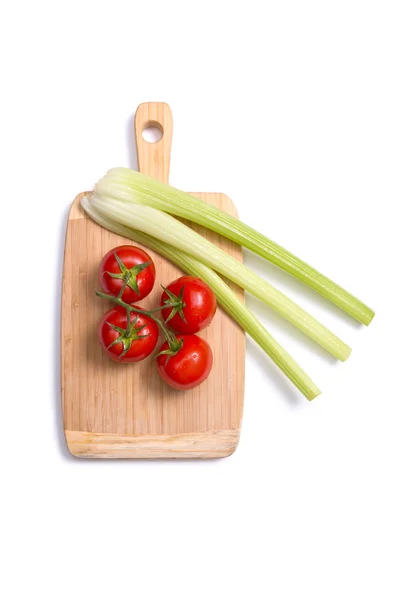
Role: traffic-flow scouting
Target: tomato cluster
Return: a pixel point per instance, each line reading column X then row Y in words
column 128, row 333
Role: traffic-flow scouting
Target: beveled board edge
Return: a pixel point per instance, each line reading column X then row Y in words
column 213, row 444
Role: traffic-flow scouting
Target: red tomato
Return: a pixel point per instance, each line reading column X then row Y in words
column 198, row 305
column 189, row 367
column 120, row 265
column 127, row 344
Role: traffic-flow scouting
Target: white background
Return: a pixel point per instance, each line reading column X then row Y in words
column 291, row 108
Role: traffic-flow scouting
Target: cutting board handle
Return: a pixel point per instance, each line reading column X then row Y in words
column 154, row 157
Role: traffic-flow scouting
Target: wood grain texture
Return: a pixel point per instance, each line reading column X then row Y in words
column 126, row 411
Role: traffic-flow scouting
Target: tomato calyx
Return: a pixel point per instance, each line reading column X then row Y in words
column 127, row 336
column 128, row 276
column 176, row 303
column 174, row 345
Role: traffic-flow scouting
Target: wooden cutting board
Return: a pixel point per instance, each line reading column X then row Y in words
column 126, row 411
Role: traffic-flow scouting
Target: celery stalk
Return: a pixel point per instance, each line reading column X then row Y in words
column 171, row 231
column 226, row 298
column 131, row 186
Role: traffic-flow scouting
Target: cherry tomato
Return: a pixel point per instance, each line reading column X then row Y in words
column 127, row 344
column 189, row 367
column 122, row 265
column 197, row 305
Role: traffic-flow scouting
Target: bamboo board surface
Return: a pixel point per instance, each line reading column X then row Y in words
column 113, row 410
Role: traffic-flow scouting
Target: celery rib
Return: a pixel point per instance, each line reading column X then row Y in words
column 171, row 231
column 131, row 186
column 226, row 298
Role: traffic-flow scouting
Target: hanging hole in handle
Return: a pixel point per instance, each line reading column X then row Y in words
column 152, row 132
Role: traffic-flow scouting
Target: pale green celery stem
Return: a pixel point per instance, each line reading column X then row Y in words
column 226, row 298
column 131, row 186
column 173, row 232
